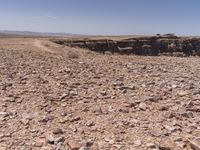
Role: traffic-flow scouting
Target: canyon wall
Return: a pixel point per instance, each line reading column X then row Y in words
column 150, row 46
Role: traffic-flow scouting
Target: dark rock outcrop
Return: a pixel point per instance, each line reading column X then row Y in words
column 151, row 46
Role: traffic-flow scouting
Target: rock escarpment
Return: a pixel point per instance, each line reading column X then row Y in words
column 150, row 46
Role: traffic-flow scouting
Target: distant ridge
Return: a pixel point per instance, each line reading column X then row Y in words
column 30, row 33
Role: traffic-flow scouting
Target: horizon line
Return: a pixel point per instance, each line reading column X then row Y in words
column 79, row 34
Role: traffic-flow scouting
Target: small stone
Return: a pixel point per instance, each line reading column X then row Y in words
column 144, row 67
column 174, row 86
column 151, row 146
column 74, row 145
column 58, row 131
column 24, row 121
column 132, row 87
column 63, row 114
column 164, row 108
column 4, row 114
column 188, row 115
column 75, row 119
column 123, row 88
column 155, row 98
column 137, row 143
column 49, row 98
column 109, row 140
column 97, row 111
column 170, row 129
column 60, row 140
column 73, row 93
column 7, row 135
column 130, row 105
column 45, row 119
column 103, row 93
column 170, row 115
column 2, row 135
column 89, row 143
column 52, row 140
column 142, row 106
column 156, row 133
column 182, row 93
column 194, row 109
column 124, row 110
column 110, row 109
column 118, row 146
column 64, row 120
column 195, row 145
column 67, row 70
column 30, row 116
column 164, row 148
column 38, row 144
column 196, row 92
column 180, row 144
column 118, row 83
column 90, row 123
column 63, row 96
column 84, row 148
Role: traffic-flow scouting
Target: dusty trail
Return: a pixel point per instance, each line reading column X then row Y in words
column 39, row 44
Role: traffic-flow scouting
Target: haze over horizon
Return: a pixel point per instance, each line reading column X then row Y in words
column 93, row 17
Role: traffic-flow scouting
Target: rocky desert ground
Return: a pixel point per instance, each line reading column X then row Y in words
column 53, row 97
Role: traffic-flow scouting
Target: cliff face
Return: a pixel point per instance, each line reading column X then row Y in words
column 150, row 46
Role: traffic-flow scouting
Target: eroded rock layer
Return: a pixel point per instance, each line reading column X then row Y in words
column 152, row 46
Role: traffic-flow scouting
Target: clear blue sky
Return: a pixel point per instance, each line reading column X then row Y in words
column 102, row 16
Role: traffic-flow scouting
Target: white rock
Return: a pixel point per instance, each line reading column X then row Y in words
column 143, row 106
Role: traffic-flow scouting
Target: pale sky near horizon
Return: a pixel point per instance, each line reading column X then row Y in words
column 102, row 17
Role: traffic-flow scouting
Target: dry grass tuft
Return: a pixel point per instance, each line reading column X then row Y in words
column 73, row 55
column 47, row 45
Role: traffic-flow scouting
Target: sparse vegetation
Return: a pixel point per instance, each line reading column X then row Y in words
column 72, row 54
column 47, row 45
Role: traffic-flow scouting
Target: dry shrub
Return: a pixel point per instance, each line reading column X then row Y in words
column 72, row 55
column 47, row 45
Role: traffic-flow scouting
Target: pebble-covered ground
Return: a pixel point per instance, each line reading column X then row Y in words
column 57, row 98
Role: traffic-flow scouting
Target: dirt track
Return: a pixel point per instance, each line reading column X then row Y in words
column 50, row 101
column 38, row 44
